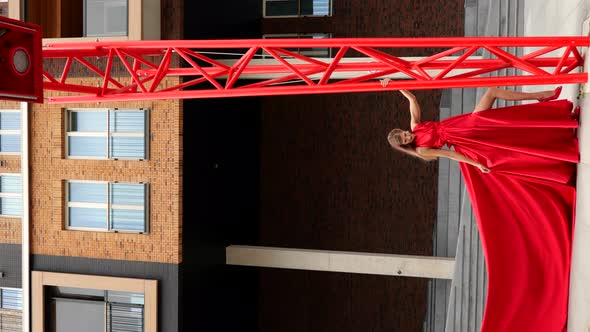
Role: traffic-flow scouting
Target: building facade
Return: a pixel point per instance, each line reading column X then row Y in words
column 131, row 205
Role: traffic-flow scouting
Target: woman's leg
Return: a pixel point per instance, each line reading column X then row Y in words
column 490, row 96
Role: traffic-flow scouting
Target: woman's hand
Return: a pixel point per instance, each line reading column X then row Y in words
column 408, row 94
column 384, row 82
column 483, row 169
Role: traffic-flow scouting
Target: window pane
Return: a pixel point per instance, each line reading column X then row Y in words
column 106, row 18
column 128, row 220
column 125, row 318
column 88, row 218
column 87, row 192
column 87, row 146
column 10, row 184
column 315, row 7
column 88, row 121
column 9, row 143
column 9, row 120
column 127, row 147
column 128, row 194
column 10, row 206
column 12, row 298
column 125, row 297
column 128, row 122
column 78, row 315
column 62, row 291
column 282, row 7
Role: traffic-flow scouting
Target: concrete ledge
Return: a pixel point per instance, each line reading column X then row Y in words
column 340, row 261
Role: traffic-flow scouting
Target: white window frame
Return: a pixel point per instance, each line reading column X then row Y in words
column 106, row 206
column 330, row 13
column 12, row 132
column 12, row 195
column 108, row 134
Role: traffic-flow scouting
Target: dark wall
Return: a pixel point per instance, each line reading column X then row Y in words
column 329, row 180
column 221, row 163
column 236, row 19
column 166, row 274
column 306, row 172
column 10, row 264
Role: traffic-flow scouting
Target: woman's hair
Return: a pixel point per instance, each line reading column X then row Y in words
column 395, row 140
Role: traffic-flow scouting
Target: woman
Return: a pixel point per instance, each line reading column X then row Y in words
column 518, row 163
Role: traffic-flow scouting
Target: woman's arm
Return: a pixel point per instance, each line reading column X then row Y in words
column 415, row 111
column 488, row 98
column 429, row 153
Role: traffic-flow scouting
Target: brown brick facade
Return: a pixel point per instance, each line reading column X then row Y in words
column 10, row 230
column 163, row 171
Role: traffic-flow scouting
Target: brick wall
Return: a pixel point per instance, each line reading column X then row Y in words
column 11, row 320
column 163, row 171
column 10, row 230
column 329, row 180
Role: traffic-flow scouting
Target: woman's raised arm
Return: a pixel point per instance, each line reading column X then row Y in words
column 433, row 153
column 415, row 111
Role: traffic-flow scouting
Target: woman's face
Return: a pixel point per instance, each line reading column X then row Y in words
column 407, row 137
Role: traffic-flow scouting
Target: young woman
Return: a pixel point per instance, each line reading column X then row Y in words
column 518, row 164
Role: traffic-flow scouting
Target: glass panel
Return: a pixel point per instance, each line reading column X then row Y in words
column 9, row 143
column 10, row 206
column 127, row 147
column 128, row 220
column 88, row 121
column 282, row 7
column 12, row 298
column 87, row 146
column 125, row 318
column 78, row 292
column 10, row 184
column 88, row 218
column 87, row 192
column 128, row 122
column 9, row 120
column 128, row 194
column 125, row 297
column 78, row 315
column 315, row 7
column 106, row 18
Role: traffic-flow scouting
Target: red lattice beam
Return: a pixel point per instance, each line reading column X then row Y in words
column 145, row 65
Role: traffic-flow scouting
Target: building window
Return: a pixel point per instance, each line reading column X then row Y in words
column 107, row 134
column 10, row 131
column 104, row 18
column 315, row 52
column 282, row 8
column 73, row 308
column 11, row 298
column 107, row 206
column 10, row 195
column 92, row 305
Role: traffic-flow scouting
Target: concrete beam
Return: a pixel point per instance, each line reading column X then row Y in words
column 342, row 261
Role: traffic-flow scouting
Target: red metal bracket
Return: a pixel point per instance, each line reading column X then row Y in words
column 145, row 65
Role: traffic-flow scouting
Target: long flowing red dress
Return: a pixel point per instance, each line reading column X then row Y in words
column 524, row 207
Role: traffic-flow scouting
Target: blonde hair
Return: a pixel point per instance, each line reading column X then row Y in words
column 395, row 140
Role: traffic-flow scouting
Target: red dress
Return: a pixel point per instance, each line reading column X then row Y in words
column 524, row 207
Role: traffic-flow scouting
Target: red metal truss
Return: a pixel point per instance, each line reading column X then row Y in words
column 145, row 64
